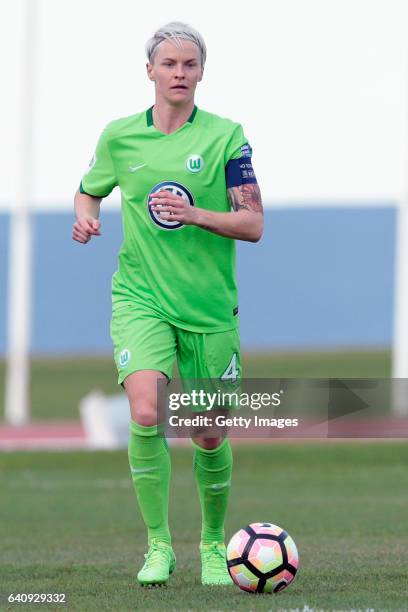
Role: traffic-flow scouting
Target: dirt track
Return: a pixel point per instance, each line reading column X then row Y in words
column 71, row 435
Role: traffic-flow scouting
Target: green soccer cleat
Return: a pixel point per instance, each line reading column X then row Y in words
column 160, row 562
column 214, row 564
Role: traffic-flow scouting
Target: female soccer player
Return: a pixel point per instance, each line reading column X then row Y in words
column 180, row 171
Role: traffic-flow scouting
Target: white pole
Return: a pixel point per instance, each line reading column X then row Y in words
column 400, row 344
column 17, row 402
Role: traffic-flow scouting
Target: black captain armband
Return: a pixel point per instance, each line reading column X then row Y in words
column 240, row 171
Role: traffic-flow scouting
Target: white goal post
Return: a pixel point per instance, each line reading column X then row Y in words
column 17, row 394
column 400, row 342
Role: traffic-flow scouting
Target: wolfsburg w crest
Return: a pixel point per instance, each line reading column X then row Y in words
column 124, row 357
column 177, row 189
column 194, row 163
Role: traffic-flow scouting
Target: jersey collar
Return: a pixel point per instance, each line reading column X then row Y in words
column 149, row 116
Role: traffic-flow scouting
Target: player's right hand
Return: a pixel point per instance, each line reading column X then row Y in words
column 84, row 228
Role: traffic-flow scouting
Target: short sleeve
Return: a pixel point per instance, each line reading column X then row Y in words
column 100, row 179
column 236, row 144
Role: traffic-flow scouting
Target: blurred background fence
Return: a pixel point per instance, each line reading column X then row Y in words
column 321, row 278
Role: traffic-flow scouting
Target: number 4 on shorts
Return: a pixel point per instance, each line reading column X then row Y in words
column 231, row 372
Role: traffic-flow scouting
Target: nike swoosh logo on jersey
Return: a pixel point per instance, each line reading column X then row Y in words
column 134, row 168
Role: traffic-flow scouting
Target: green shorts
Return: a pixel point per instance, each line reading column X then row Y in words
column 144, row 341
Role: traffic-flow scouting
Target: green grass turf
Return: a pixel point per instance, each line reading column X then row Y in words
column 69, row 524
column 59, row 383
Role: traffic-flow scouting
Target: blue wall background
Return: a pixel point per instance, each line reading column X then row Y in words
column 320, row 278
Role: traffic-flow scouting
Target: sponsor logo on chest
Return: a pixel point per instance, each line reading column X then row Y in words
column 177, row 189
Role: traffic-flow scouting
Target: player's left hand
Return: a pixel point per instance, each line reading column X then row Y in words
column 173, row 207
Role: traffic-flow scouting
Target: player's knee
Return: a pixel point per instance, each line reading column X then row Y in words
column 144, row 413
column 207, row 443
column 141, row 389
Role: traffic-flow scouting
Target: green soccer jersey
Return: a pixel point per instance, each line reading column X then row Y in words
column 182, row 273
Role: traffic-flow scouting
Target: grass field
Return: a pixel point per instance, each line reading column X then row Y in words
column 69, row 524
column 59, row 383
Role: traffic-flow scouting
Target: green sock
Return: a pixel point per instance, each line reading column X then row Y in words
column 213, row 469
column 149, row 461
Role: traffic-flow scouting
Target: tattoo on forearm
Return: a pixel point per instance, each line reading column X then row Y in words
column 234, row 197
column 252, row 196
column 246, row 196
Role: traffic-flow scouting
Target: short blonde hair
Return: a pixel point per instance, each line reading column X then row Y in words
column 175, row 31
